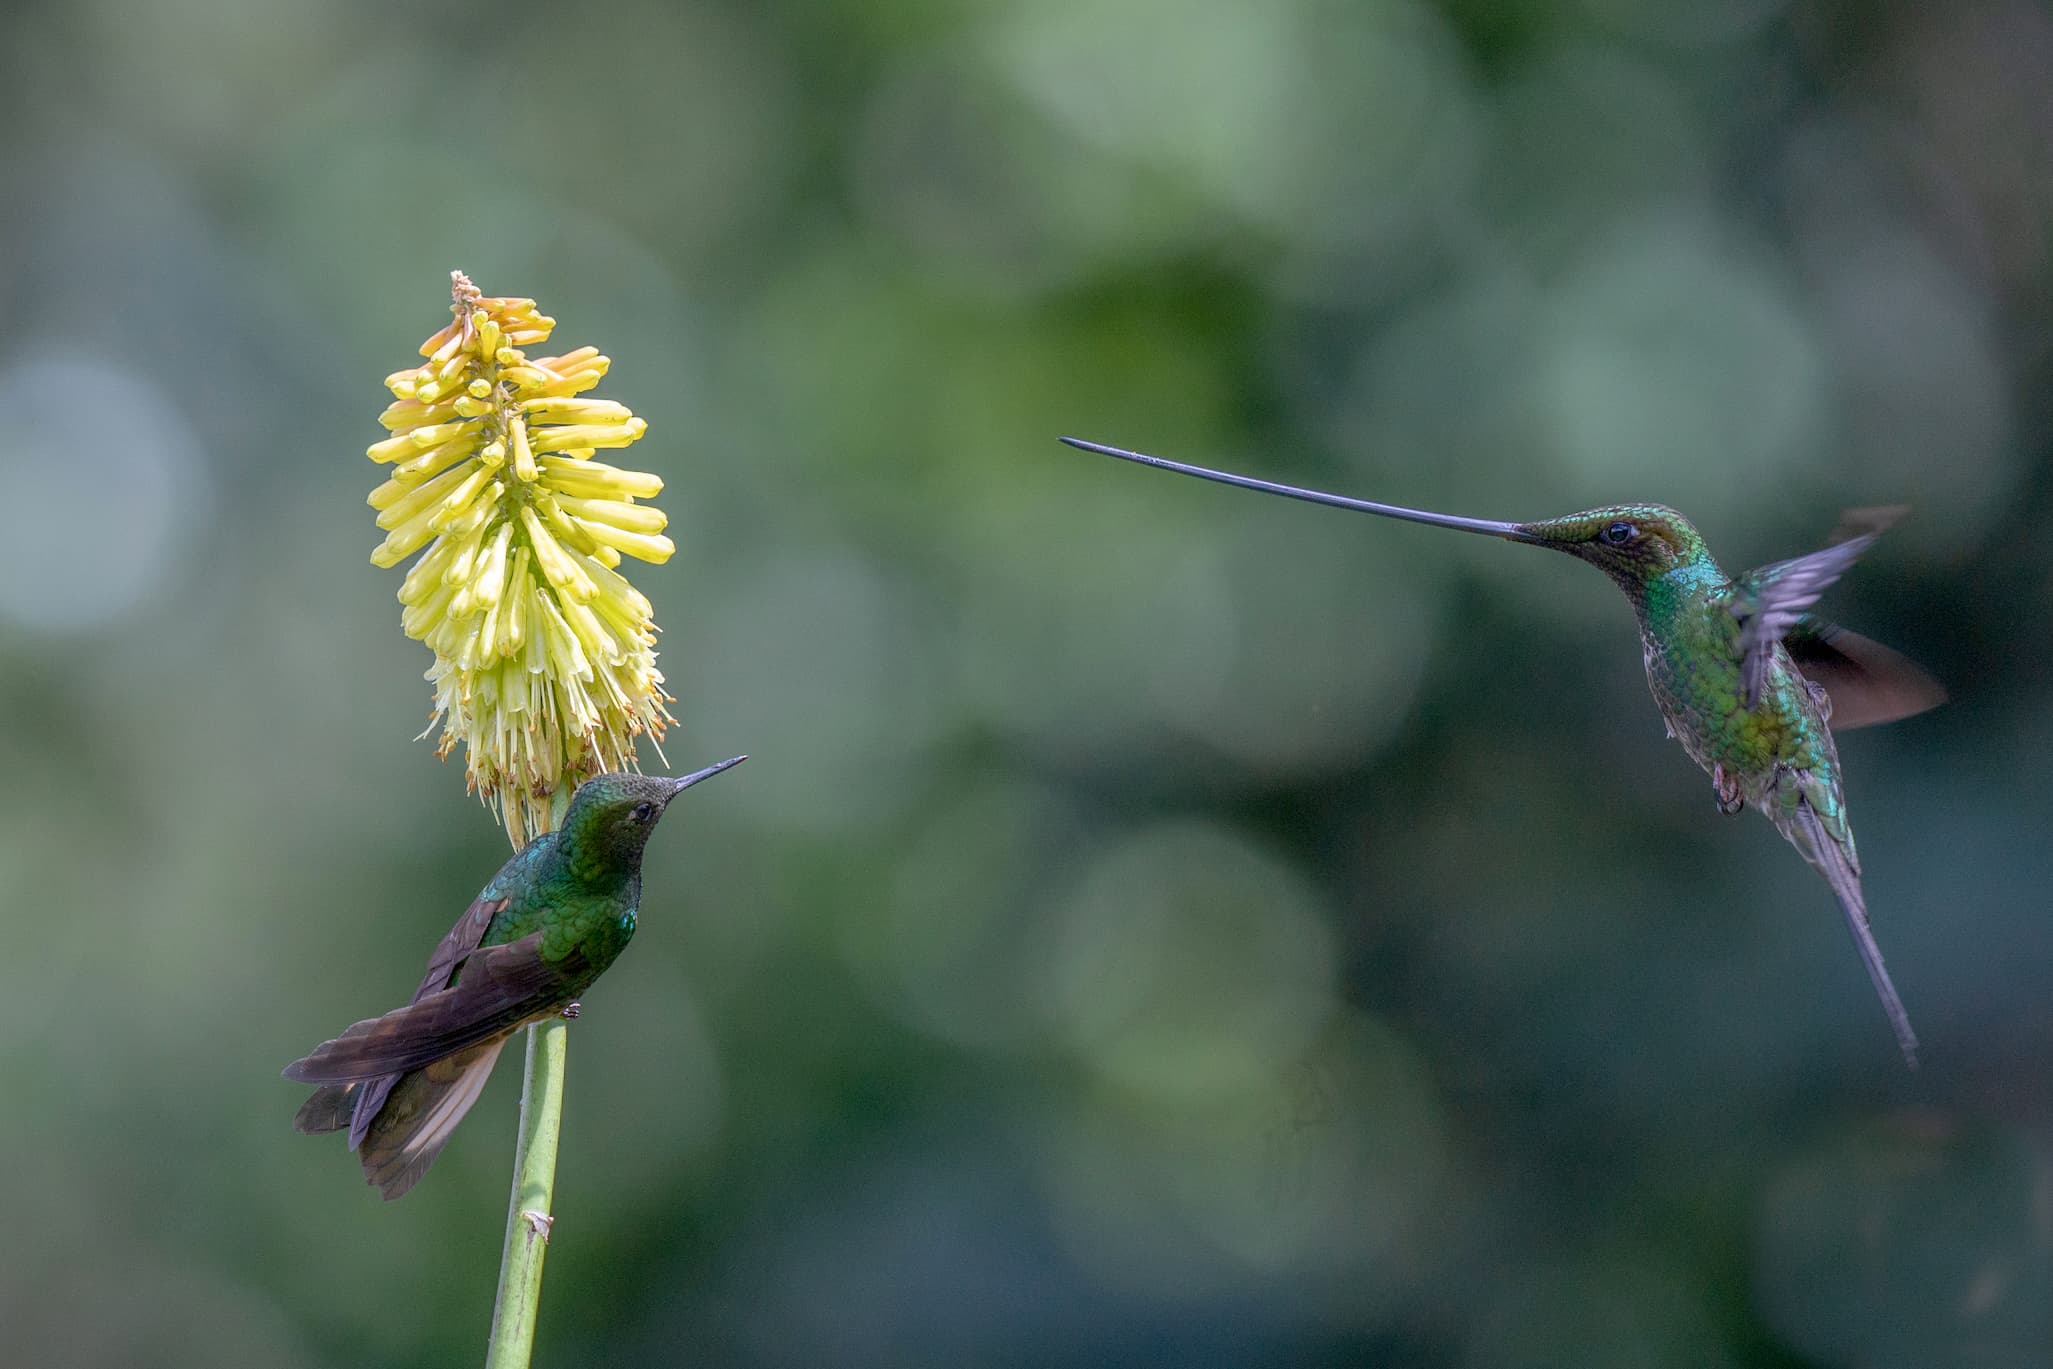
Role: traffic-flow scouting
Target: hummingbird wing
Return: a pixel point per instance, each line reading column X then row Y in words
column 1868, row 682
column 463, row 938
column 496, row 989
column 1770, row 599
column 355, row 1104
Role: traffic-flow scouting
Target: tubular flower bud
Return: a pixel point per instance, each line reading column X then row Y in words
column 545, row 669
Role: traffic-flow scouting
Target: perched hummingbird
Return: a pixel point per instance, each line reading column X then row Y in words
column 1745, row 677
column 547, row 925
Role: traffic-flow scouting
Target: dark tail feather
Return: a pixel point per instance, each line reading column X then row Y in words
column 1833, row 863
column 370, row 1098
column 419, row 1115
column 330, row 1109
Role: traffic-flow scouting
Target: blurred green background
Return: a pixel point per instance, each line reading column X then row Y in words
column 1160, row 925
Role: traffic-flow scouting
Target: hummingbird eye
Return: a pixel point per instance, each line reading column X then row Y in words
column 643, row 810
column 1619, row 533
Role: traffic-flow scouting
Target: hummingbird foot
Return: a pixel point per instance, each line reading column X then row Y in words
column 1730, row 797
column 570, row 1011
column 539, row 1224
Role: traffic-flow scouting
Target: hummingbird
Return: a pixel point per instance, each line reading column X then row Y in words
column 1745, row 676
column 540, row 932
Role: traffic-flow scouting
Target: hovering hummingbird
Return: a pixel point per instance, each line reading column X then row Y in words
column 547, row 925
column 1745, row 676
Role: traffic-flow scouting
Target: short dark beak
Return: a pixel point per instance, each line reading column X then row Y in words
column 695, row 776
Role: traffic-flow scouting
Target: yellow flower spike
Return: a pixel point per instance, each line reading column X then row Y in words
column 544, row 670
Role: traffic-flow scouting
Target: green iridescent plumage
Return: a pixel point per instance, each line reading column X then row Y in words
column 535, row 938
column 1745, row 677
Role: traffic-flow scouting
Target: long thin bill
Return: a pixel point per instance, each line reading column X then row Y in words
column 1511, row 531
column 695, row 776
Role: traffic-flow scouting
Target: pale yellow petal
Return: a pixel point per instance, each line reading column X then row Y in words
column 596, row 480
column 620, row 513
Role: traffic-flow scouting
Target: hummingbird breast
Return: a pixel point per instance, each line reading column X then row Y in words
column 1690, row 643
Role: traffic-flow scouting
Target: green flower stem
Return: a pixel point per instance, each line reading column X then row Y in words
column 529, row 1213
column 534, row 1186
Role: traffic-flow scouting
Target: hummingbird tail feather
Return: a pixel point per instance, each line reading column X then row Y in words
column 420, row 1115
column 1835, row 862
column 329, row 1109
column 370, row 1099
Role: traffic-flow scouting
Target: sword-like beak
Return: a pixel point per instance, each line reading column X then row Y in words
column 1514, row 532
column 695, row 776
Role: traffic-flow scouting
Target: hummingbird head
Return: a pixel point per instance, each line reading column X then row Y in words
column 1631, row 543
column 611, row 815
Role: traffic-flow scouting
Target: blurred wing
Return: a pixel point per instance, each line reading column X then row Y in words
column 500, row 988
column 1868, row 682
column 1769, row 600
